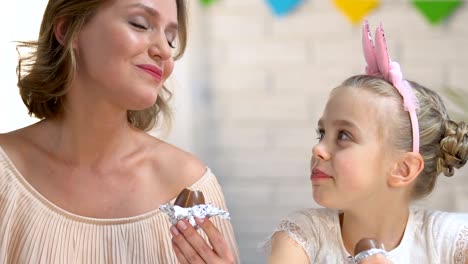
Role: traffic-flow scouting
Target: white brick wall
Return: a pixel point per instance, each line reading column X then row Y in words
column 261, row 84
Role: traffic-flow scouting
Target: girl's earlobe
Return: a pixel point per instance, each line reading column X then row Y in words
column 406, row 170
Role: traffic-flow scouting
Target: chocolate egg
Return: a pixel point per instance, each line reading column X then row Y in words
column 189, row 198
column 367, row 243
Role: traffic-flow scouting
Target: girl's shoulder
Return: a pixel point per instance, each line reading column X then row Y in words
column 438, row 220
column 310, row 223
column 445, row 233
column 309, row 228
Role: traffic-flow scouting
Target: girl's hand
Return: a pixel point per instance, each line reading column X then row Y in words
column 376, row 259
column 190, row 247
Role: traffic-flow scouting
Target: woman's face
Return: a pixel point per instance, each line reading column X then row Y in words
column 124, row 52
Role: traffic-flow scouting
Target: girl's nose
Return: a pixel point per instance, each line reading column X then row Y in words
column 320, row 152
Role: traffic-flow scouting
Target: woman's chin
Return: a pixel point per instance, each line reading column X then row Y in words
column 143, row 102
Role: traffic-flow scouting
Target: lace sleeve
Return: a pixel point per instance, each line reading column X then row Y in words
column 461, row 246
column 294, row 232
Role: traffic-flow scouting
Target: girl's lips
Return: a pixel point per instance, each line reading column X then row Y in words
column 318, row 174
column 152, row 70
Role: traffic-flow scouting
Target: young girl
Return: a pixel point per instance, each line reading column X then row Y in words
column 382, row 143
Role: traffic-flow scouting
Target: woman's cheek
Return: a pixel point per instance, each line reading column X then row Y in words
column 168, row 68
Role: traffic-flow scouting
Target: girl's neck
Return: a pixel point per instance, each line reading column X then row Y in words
column 387, row 224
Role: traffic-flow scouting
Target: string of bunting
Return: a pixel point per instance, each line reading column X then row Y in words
column 434, row 11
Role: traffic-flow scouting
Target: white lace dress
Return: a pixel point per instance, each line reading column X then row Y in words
column 430, row 237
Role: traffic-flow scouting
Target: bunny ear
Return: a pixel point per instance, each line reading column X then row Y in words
column 369, row 50
column 383, row 60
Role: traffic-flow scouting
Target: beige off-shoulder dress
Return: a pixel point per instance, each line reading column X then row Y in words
column 34, row 230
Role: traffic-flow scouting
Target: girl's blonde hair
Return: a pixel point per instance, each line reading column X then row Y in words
column 45, row 74
column 443, row 142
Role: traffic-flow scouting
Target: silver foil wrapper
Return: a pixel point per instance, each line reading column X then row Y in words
column 177, row 213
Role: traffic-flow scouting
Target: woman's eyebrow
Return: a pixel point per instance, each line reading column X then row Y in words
column 154, row 13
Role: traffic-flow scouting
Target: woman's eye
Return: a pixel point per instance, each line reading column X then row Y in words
column 171, row 44
column 344, row 135
column 320, row 134
column 139, row 26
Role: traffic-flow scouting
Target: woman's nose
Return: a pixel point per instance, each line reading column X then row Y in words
column 160, row 48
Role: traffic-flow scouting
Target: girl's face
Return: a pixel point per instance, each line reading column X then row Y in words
column 124, row 52
column 349, row 167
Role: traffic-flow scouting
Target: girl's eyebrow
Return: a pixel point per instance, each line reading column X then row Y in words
column 340, row 122
column 154, row 13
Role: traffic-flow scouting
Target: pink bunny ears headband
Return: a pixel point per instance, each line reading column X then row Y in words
column 380, row 65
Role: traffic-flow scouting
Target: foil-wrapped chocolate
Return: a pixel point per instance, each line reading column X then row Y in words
column 188, row 198
column 190, row 204
column 367, row 247
column 366, row 244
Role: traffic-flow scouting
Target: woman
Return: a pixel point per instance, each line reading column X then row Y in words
column 84, row 184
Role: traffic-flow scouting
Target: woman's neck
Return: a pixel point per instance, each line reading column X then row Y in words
column 386, row 223
column 90, row 139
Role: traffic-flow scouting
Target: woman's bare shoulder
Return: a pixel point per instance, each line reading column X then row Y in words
column 176, row 163
column 13, row 139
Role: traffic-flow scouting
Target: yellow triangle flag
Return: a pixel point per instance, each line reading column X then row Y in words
column 355, row 10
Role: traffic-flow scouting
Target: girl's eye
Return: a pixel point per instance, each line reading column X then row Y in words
column 320, row 133
column 344, row 135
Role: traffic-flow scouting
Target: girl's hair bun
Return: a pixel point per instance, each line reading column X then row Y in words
column 453, row 148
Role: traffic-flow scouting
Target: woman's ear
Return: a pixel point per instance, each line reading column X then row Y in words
column 60, row 30
column 406, row 170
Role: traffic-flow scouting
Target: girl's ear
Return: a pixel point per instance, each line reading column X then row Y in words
column 406, row 170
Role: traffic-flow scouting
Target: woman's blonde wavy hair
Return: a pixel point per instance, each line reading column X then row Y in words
column 443, row 142
column 46, row 72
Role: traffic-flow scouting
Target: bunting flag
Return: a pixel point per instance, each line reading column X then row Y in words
column 436, row 11
column 207, row 2
column 283, row 7
column 356, row 10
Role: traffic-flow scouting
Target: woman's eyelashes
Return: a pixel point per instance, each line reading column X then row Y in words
column 171, row 44
column 142, row 26
column 139, row 25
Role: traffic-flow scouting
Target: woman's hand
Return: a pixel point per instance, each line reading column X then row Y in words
column 375, row 259
column 190, row 247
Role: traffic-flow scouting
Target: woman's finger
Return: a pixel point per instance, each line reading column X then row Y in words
column 184, row 246
column 196, row 241
column 179, row 254
column 216, row 239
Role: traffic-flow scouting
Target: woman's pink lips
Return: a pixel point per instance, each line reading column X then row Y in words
column 154, row 71
column 318, row 175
